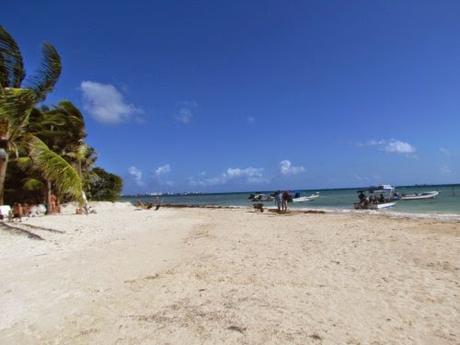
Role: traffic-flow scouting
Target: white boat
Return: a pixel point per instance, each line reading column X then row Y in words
column 378, row 206
column 377, row 198
column 258, row 197
column 382, row 205
column 420, row 196
column 306, row 198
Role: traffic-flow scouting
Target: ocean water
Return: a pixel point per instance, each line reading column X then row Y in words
column 447, row 202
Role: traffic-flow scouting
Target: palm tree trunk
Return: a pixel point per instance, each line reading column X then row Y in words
column 85, row 200
column 80, row 172
column 3, row 166
column 48, row 197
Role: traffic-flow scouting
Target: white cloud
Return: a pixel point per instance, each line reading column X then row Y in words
column 252, row 175
column 106, row 104
column 397, row 146
column 247, row 175
column 211, row 181
column 136, row 174
column 287, row 168
column 371, row 143
column 392, row 146
column 184, row 113
column 247, row 172
column 161, row 170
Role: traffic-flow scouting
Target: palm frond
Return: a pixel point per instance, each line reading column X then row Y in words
column 33, row 184
column 24, row 163
column 12, row 70
column 74, row 117
column 55, row 168
column 15, row 106
column 43, row 81
column 3, row 72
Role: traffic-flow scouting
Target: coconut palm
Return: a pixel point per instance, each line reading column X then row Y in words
column 16, row 104
column 62, row 128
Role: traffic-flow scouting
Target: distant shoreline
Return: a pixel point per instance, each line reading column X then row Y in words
column 291, row 189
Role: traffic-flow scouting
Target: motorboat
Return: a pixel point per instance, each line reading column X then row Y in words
column 381, row 205
column 258, row 197
column 373, row 206
column 387, row 190
column 306, row 198
column 420, row 196
column 376, row 198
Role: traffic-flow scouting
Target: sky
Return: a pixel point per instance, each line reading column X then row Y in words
column 218, row 96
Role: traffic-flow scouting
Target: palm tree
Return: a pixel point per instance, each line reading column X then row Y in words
column 62, row 128
column 16, row 104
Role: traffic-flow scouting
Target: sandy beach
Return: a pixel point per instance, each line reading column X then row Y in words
column 230, row 276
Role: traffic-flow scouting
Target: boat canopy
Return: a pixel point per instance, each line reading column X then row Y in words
column 381, row 188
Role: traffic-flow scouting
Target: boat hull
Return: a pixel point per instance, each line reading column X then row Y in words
column 303, row 199
column 375, row 206
column 306, row 198
column 421, row 196
column 383, row 205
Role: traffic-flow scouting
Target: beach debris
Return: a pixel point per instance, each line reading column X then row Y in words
column 140, row 205
column 155, row 276
column 314, row 211
column 237, row 329
column 258, row 207
column 315, row 336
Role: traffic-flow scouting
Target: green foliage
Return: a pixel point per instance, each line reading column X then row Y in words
column 12, row 71
column 104, row 186
column 61, row 127
column 11, row 65
column 44, row 145
column 55, row 168
column 15, row 189
column 33, row 184
column 16, row 105
column 48, row 73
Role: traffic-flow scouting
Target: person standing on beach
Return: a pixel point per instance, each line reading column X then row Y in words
column 52, row 207
column 18, row 211
column 279, row 200
column 285, row 200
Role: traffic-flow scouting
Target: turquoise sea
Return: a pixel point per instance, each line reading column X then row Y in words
column 447, row 202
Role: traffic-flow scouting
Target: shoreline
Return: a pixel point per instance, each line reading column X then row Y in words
column 446, row 217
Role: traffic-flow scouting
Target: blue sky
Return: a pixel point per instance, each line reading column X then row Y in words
column 241, row 95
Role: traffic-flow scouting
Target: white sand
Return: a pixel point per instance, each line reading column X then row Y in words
column 200, row 276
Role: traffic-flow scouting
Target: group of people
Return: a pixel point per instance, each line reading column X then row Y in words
column 26, row 210
column 281, row 200
column 20, row 210
column 371, row 199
